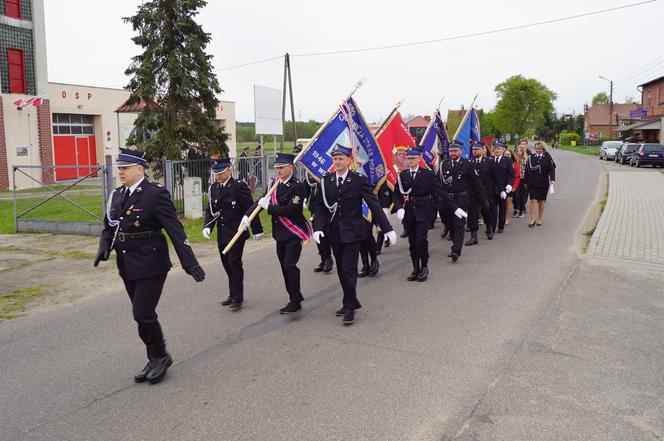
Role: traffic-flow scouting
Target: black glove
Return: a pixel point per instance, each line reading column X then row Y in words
column 102, row 254
column 196, row 272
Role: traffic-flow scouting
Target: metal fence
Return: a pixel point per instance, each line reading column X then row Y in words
column 74, row 205
column 256, row 171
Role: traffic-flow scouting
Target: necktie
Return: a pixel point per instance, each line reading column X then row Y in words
column 125, row 195
column 340, row 180
column 412, row 175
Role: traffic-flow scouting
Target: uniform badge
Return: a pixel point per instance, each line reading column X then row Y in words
column 233, row 204
column 186, row 242
column 139, row 189
column 296, row 200
column 137, row 224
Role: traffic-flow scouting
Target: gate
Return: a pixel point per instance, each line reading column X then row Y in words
column 74, row 206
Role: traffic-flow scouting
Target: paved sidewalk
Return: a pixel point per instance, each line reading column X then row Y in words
column 631, row 228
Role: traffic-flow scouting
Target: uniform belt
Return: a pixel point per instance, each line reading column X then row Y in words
column 458, row 194
column 123, row 237
column 419, row 198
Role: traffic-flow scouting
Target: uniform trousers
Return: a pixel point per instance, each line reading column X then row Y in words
column 232, row 262
column 288, row 252
column 368, row 247
column 418, row 245
column 456, row 225
column 477, row 208
column 324, row 248
column 144, row 295
column 346, row 256
column 501, row 208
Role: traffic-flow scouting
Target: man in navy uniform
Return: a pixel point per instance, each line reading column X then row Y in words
column 289, row 227
column 324, row 247
column 412, row 199
column 482, row 201
column 385, row 199
column 506, row 176
column 459, row 179
column 340, row 214
column 228, row 200
column 135, row 215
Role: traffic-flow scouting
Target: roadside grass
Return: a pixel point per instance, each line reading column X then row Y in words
column 69, row 254
column 12, row 303
column 602, row 206
column 591, row 150
column 268, row 146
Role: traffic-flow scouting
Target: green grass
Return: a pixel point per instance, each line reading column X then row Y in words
column 69, row 254
column 591, row 150
column 12, row 303
column 56, row 187
column 268, row 146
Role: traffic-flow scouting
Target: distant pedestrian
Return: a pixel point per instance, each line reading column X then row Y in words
column 517, row 178
column 521, row 195
column 540, row 177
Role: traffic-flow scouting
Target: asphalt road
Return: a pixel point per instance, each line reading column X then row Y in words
column 465, row 355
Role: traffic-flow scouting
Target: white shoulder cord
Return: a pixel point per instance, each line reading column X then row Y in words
column 530, row 166
column 403, row 192
column 442, row 178
column 216, row 214
column 332, row 208
column 112, row 222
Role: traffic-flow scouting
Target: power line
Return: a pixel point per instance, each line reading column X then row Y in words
column 647, row 69
column 452, row 38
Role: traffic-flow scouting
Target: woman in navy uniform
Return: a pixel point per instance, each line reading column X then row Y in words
column 324, row 247
column 412, row 199
column 135, row 215
column 506, row 176
column 339, row 212
column 228, row 200
column 539, row 177
column 289, row 227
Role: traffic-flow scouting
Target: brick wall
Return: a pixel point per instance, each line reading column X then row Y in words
column 4, row 172
column 652, row 98
column 45, row 140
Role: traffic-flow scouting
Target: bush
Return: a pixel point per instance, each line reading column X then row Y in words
column 566, row 138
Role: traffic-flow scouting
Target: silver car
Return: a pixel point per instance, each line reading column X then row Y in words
column 608, row 149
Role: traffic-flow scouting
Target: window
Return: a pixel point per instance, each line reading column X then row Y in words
column 13, row 8
column 69, row 124
column 16, row 71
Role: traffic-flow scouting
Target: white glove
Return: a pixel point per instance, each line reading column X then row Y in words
column 244, row 223
column 392, row 237
column 264, row 203
column 206, row 233
column 400, row 214
column 508, row 189
column 387, row 212
column 317, row 236
column 460, row 213
column 503, row 195
column 258, row 236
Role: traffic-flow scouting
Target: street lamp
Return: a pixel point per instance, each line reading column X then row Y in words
column 610, row 107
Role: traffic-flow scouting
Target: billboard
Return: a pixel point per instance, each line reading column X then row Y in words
column 267, row 111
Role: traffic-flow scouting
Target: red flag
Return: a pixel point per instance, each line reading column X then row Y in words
column 394, row 140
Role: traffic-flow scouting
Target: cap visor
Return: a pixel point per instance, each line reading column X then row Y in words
column 124, row 164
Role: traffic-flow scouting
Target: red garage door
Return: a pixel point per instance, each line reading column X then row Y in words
column 74, row 144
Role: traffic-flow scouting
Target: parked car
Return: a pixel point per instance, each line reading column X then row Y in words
column 648, row 154
column 625, row 151
column 608, row 149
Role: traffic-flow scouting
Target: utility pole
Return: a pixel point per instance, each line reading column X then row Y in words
column 610, row 107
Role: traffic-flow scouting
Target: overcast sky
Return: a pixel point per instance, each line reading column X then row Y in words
column 89, row 44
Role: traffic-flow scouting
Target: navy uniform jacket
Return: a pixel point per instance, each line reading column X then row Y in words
column 347, row 225
column 505, row 172
column 459, row 176
column 420, row 191
column 290, row 199
column 486, row 169
column 148, row 209
column 385, row 195
column 540, row 171
column 231, row 202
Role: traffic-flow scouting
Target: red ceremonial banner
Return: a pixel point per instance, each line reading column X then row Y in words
column 393, row 141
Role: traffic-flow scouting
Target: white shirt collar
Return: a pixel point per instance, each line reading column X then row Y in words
column 285, row 181
column 416, row 169
column 133, row 187
column 223, row 184
column 342, row 176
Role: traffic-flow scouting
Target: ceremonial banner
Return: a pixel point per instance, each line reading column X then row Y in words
column 468, row 132
column 349, row 129
column 435, row 140
column 394, row 139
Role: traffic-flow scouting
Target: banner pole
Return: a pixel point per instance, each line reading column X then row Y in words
column 463, row 120
column 388, row 120
column 258, row 208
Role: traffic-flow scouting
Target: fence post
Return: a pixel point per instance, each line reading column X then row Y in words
column 168, row 177
column 108, row 175
column 104, row 188
column 14, row 187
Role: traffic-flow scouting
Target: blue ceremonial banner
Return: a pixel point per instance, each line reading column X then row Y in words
column 367, row 157
column 469, row 132
column 435, row 140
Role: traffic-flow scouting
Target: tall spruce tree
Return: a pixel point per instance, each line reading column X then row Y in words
column 174, row 78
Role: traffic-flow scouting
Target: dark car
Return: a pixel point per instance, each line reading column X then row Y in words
column 648, row 154
column 625, row 152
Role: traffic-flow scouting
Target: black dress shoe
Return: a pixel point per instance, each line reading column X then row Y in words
column 373, row 269
column 327, row 267
column 454, row 257
column 341, row 312
column 363, row 272
column 290, row 308
column 450, row 255
column 142, row 375
column 444, row 233
column 424, row 273
column 158, row 369
column 404, row 235
column 531, row 225
column 489, row 235
column 387, row 243
column 235, row 305
column 320, row 267
column 500, row 230
column 416, row 270
column 349, row 317
column 227, row 302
